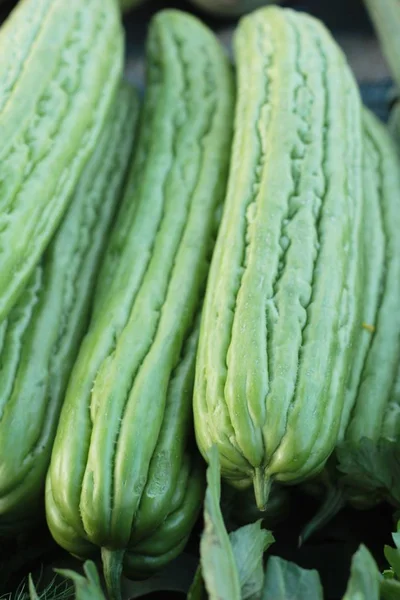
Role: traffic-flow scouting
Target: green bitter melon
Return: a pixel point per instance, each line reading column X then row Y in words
column 41, row 335
column 282, row 306
column 123, row 476
column 370, row 448
column 363, row 469
column 60, row 67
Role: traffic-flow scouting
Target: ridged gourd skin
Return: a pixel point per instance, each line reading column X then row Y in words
column 230, row 8
column 279, row 322
column 41, row 336
column 61, row 64
column 375, row 259
column 376, row 413
column 385, row 16
column 372, row 402
column 123, row 475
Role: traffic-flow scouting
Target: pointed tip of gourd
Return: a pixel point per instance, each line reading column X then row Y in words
column 112, row 568
column 262, row 487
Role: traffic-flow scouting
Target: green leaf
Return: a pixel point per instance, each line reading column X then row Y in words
column 86, row 588
column 392, row 555
column 217, row 559
column 396, row 538
column 286, row 581
column 365, row 579
column 372, row 468
column 56, row 589
column 249, row 544
column 197, row 590
column 388, row 574
column 32, row 590
column 390, row 589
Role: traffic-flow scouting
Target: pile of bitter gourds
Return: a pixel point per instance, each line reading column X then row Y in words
column 215, row 266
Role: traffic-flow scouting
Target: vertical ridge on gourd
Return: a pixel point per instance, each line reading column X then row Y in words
column 375, row 249
column 122, row 451
column 375, row 415
column 279, row 323
column 383, row 355
column 40, row 337
column 370, row 427
column 61, row 63
column 385, row 16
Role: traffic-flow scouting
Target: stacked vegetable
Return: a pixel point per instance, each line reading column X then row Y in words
column 216, row 273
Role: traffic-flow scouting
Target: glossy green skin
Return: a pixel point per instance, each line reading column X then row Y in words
column 122, row 442
column 41, row 336
column 61, row 64
column 279, row 321
column 385, row 16
column 230, row 8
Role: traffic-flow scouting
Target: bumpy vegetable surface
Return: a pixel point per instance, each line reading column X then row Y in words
column 60, row 66
column 41, row 335
column 230, row 8
column 369, row 449
column 368, row 457
column 122, row 475
column 282, row 307
column 385, row 16
column 383, row 357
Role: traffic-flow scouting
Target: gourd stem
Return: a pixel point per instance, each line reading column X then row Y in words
column 112, row 569
column 262, row 488
column 334, row 501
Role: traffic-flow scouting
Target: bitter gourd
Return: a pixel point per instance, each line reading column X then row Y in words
column 282, row 307
column 230, row 8
column 122, row 477
column 364, row 464
column 60, row 67
column 383, row 356
column 369, row 448
column 40, row 337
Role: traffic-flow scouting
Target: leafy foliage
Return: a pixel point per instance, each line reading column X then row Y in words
column 285, row 580
column 372, row 468
column 364, row 583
